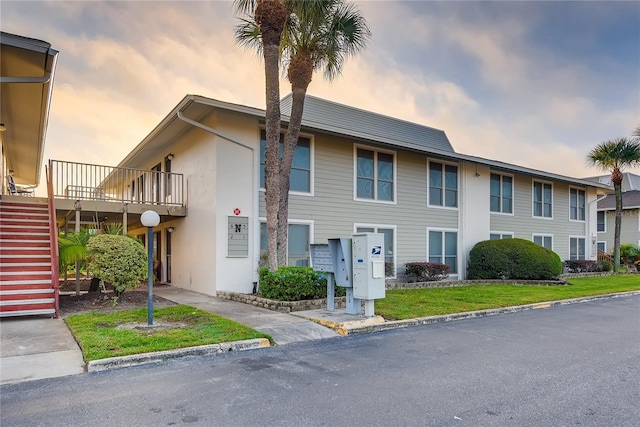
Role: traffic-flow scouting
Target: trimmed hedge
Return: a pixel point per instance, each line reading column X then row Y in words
column 294, row 284
column 586, row 266
column 119, row 260
column 427, row 271
column 513, row 259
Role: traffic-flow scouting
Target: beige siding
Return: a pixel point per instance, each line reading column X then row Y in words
column 629, row 230
column 334, row 210
column 524, row 225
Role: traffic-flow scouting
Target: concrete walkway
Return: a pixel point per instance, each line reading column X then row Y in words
column 283, row 328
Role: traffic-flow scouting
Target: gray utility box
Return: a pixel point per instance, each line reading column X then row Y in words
column 368, row 266
column 341, row 257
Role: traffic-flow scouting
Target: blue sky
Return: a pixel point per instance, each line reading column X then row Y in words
column 536, row 84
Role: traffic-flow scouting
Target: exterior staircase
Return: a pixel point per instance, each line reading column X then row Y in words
column 27, row 272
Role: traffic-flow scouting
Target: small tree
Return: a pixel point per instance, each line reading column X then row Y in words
column 119, row 260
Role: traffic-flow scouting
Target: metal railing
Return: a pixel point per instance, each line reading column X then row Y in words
column 81, row 181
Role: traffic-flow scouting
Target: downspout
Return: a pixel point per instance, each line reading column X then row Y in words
column 256, row 183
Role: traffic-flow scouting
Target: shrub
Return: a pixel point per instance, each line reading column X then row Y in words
column 119, row 260
column 427, row 271
column 586, row 266
column 294, row 284
column 513, row 259
column 606, row 265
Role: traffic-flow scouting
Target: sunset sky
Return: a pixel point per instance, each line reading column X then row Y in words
column 537, row 84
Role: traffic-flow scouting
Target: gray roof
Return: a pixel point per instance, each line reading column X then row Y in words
column 343, row 119
column 630, row 181
column 630, row 200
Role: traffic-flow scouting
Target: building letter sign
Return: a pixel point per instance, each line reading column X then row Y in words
column 238, row 236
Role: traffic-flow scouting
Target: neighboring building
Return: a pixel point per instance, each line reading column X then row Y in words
column 353, row 171
column 630, row 227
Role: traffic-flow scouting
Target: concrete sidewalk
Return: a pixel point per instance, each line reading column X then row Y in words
column 283, row 328
column 36, row 348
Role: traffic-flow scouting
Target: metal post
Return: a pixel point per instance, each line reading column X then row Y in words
column 331, row 292
column 150, row 272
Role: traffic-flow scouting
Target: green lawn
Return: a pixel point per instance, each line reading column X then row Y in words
column 98, row 337
column 413, row 303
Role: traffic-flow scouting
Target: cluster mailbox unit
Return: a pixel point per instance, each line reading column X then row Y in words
column 357, row 264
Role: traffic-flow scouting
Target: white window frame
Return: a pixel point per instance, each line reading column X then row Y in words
column 501, row 234
column 357, row 225
column 533, row 199
column 543, row 235
column 309, row 222
column 375, row 174
column 605, row 222
column 443, row 163
column 584, row 208
column 513, row 191
column 312, row 167
column 458, row 257
column 604, row 242
column 585, row 247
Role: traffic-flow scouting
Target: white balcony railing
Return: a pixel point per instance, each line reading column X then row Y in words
column 80, row 181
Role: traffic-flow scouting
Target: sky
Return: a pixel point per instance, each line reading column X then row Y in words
column 536, row 84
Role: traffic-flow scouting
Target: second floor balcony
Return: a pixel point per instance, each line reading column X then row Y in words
column 104, row 189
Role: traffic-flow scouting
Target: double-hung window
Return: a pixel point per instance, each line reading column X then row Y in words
column 298, row 243
column 501, row 188
column 500, row 236
column 443, row 185
column 544, row 240
column 576, row 204
column 443, row 248
column 602, row 221
column 576, row 248
column 542, row 199
column 300, row 175
column 375, row 175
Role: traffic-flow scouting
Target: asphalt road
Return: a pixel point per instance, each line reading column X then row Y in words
column 569, row 365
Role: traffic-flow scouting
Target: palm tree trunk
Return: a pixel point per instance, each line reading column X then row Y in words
column 271, row 16
column 618, row 226
column 299, row 73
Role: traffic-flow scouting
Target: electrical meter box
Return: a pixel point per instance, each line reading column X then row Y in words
column 368, row 266
column 341, row 257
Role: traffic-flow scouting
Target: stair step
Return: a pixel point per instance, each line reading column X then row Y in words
column 32, row 285
column 36, row 291
column 13, row 255
column 23, row 227
column 33, row 298
column 12, row 303
column 36, row 312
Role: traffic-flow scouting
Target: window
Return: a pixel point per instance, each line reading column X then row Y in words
column 602, row 221
column 375, row 175
column 298, row 243
column 499, row 236
column 602, row 246
column 443, row 185
column 443, row 248
column 389, row 244
column 576, row 248
column 168, row 181
column 542, row 199
column 501, row 193
column 300, row 176
column 543, row 240
column 576, row 204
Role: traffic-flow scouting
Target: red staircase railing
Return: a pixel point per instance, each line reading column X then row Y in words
column 53, row 232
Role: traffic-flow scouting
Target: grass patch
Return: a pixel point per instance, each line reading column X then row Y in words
column 98, row 337
column 412, row 303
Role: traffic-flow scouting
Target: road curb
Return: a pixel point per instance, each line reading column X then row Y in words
column 160, row 356
column 396, row 324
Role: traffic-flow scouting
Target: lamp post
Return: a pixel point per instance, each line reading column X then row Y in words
column 150, row 219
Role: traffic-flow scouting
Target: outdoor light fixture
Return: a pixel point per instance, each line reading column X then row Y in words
column 150, row 219
column 170, row 156
column 2, row 127
column 170, row 229
column 593, row 239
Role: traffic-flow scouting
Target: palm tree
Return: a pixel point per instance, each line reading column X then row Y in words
column 320, row 34
column 262, row 28
column 72, row 250
column 614, row 156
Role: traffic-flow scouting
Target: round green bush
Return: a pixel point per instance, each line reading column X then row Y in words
column 119, row 260
column 513, row 259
